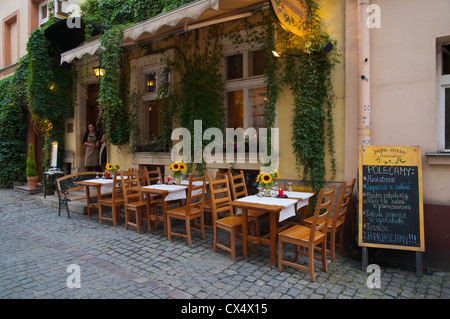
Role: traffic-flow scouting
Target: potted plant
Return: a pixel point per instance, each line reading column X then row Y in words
column 32, row 174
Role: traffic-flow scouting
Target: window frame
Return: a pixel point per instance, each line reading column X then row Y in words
column 247, row 82
column 443, row 82
column 43, row 20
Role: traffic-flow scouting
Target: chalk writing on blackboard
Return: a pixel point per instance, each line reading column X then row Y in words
column 390, row 209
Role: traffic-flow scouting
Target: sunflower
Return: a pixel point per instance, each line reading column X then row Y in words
column 175, row 167
column 117, row 166
column 258, row 177
column 276, row 174
column 266, row 178
column 182, row 166
column 108, row 166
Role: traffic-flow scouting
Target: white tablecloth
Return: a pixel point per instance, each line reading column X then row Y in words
column 287, row 203
column 175, row 191
column 303, row 198
column 107, row 184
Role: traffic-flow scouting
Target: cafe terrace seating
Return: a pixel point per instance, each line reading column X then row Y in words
column 115, row 201
column 207, row 206
column 153, row 177
column 239, row 189
column 192, row 209
column 309, row 237
column 133, row 200
column 220, row 196
column 338, row 221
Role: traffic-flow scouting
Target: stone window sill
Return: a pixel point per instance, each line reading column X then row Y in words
column 438, row 158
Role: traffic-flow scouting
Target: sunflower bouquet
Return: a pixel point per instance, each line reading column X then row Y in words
column 266, row 180
column 112, row 168
column 178, row 169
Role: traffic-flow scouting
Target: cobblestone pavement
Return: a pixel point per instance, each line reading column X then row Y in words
column 37, row 247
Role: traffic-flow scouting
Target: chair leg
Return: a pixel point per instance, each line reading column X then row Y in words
column 188, row 231
column 311, row 263
column 324, row 256
column 68, row 212
column 332, row 246
column 202, row 225
column 215, row 237
column 169, row 237
column 280, row 254
column 100, row 214
column 138, row 221
column 126, row 218
column 233, row 244
column 113, row 212
column 149, row 221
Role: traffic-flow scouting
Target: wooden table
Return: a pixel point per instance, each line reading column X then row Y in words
column 95, row 183
column 163, row 191
column 274, row 211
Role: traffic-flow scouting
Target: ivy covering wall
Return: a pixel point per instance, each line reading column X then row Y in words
column 48, row 88
column 13, row 126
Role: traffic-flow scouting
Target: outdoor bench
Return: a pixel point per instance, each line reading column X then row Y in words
column 69, row 191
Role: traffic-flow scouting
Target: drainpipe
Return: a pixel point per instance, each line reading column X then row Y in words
column 364, row 73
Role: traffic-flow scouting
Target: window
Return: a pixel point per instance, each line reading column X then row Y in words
column 62, row 7
column 245, row 88
column 10, row 39
column 43, row 12
column 151, row 112
column 443, row 62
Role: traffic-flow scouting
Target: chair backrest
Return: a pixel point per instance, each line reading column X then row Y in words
column 321, row 217
column 67, row 183
column 117, row 184
column 220, row 175
column 196, row 193
column 141, row 175
column 220, row 196
column 152, row 176
column 128, row 180
column 237, row 183
column 343, row 202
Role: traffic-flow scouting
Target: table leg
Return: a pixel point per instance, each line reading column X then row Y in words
column 165, row 214
column 244, row 233
column 273, row 238
column 99, row 197
column 149, row 212
column 88, row 201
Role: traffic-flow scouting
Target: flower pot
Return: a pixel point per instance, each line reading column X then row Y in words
column 32, row 181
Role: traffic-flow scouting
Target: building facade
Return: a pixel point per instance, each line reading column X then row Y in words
column 389, row 62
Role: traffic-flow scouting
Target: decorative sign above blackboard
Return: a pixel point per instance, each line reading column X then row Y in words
column 391, row 198
column 290, row 14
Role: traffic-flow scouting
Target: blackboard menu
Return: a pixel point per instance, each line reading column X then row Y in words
column 391, row 207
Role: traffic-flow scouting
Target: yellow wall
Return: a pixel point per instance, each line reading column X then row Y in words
column 333, row 15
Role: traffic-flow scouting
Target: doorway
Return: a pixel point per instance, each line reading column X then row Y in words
column 92, row 115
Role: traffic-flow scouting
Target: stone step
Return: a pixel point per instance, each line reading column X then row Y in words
column 77, row 206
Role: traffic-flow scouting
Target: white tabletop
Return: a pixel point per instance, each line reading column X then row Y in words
column 288, row 204
column 299, row 198
column 175, row 191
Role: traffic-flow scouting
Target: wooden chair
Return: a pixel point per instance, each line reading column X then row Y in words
column 152, row 177
column 307, row 237
column 115, row 201
column 192, row 210
column 239, row 189
column 220, row 196
column 141, row 175
column 207, row 206
column 133, row 201
column 338, row 220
